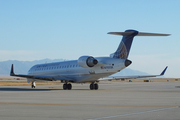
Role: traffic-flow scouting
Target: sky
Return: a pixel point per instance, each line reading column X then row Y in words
column 38, row 29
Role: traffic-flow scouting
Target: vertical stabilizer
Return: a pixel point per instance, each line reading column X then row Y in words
column 125, row 45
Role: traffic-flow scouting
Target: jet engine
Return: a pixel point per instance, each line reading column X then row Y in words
column 87, row 61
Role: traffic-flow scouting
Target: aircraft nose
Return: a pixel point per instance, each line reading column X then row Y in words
column 127, row 62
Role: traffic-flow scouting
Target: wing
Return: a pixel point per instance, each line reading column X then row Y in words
column 132, row 77
column 40, row 77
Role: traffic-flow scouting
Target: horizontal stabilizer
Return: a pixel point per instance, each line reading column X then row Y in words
column 139, row 34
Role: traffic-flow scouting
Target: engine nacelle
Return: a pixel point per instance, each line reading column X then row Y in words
column 87, row 61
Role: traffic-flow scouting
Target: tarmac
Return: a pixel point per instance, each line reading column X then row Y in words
column 113, row 101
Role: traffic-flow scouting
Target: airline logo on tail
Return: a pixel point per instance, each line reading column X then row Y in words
column 121, row 51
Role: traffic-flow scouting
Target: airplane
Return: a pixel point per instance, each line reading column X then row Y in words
column 88, row 69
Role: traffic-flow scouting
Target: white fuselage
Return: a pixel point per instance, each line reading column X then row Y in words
column 70, row 69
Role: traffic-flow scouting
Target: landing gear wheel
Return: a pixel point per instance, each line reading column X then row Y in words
column 69, row 86
column 96, row 86
column 65, row 86
column 93, row 86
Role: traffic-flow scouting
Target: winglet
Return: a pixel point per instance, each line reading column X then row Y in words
column 164, row 71
column 12, row 71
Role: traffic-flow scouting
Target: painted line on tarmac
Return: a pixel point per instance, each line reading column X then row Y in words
column 85, row 105
column 115, row 116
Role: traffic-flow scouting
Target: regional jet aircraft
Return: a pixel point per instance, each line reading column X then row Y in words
column 87, row 68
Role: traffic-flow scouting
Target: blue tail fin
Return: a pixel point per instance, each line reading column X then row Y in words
column 124, row 48
column 125, row 45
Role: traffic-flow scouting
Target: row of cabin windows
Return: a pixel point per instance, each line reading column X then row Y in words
column 40, row 68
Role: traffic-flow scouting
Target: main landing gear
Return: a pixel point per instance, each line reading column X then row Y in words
column 93, row 86
column 33, row 85
column 67, row 86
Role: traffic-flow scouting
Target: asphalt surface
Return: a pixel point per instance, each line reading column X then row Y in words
column 113, row 101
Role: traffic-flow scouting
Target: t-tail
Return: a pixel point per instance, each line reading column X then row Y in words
column 124, row 47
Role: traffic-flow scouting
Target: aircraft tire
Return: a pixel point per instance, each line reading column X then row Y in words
column 96, row 86
column 65, row 86
column 69, row 86
column 91, row 86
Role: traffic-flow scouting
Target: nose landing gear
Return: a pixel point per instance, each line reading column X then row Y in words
column 33, row 85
